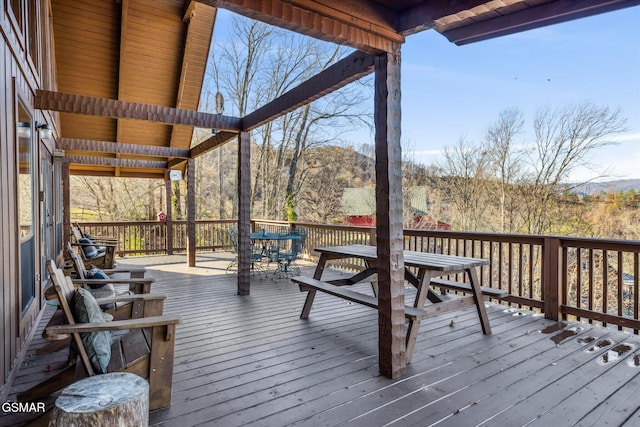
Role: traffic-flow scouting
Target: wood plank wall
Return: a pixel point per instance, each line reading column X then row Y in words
column 19, row 74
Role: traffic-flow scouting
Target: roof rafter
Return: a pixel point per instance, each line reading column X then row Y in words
column 423, row 16
column 113, row 162
column 370, row 27
column 209, row 144
column 90, row 105
column 121, row 148
column 343, row 72
column 534, row 17
column 200, row 18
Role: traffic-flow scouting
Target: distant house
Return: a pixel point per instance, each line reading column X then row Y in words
column 359, row 208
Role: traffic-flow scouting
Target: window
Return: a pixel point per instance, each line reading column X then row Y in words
column 16, row 7
column 26, row 175
column 26, row 205
column 33, row 19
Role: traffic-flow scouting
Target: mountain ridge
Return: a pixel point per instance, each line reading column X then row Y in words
column 614, row 186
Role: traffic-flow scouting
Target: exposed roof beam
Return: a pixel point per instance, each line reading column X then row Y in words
column 209, row 144
column 340, row 74
column 176, row 164
column 423, row 16
column 366, row 26
column 121, row 148
column 113, row 162
column 200, row 18
column 82, row 104
column 534, row 17
column 129, row 173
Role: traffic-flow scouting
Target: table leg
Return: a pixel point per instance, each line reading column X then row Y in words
column 423, row 291
column 374, row 282
column 311, row 294
column 477, row 297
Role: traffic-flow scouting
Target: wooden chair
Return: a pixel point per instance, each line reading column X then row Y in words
column 79, row 234
column 104, row 288
column 138, row 284
column 95, row 251
column 145, row 345
column 102, row 256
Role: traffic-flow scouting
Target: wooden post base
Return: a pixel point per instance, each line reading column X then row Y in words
column 115, row 399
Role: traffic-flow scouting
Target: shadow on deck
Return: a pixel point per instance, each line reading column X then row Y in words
column 252, row 361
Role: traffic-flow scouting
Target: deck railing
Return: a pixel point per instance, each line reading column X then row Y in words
column 594, row 280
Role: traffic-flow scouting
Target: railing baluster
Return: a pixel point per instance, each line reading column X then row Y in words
column 620, row 287
column 579, row 270
column 591, row 267
column 605, row 283
column 636, row 282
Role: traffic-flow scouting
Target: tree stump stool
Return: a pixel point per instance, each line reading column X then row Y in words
column 115, row 399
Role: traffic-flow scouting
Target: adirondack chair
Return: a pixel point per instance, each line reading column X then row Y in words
column 144, row 346
column 102, row 256
column 99, row 240
column 138, row 284
column 100, row 287
column 94, row 251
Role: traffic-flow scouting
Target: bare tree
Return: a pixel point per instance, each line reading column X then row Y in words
column 505, row 160
column 464, row 174
column 564, row 140
column 258, row 65
column 117, row 199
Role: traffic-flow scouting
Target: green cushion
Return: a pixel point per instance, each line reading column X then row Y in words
column 97, row 344
column 105, row 291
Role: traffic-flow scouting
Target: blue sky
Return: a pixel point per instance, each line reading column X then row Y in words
column 450, row 92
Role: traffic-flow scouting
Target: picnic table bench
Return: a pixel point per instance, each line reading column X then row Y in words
column 430, row 271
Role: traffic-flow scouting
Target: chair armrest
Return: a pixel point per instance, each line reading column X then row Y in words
column 130, row 298
column 132, row 270
column 97, row 239
column 105, row 281
column 116, row 325
column 108, row 245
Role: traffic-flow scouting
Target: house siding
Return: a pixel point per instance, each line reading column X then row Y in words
column 25, row 65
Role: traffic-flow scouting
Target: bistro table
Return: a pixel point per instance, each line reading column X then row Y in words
column 420, row 269
column 267, row 236
column 272, row 252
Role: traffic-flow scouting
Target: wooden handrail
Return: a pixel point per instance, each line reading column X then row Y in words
column 571, row 278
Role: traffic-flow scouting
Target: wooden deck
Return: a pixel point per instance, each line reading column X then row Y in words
column 251, row 361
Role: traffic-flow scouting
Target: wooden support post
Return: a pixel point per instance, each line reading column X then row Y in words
column 66, row 204
column 551, row 278
column 191, row 212
column 168, row 187
column 391, row 329
column 244, row 213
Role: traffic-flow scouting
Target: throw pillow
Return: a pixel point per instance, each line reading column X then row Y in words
column 97, row 344
column 88, row 247
column 96, row 273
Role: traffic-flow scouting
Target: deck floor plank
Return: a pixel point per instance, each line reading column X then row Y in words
column 616, row 383
column 508, row 381
column 251, row 361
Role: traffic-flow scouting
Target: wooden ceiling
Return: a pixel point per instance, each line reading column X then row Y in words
column 143, row 51
column 130, row 72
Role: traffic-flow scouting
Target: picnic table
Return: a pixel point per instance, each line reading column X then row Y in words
column 422, row 270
